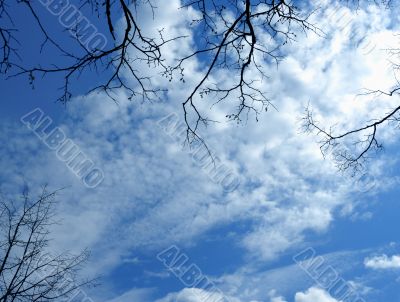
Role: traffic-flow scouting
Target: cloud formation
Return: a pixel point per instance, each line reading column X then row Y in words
column 383, row 262
column 314, row 294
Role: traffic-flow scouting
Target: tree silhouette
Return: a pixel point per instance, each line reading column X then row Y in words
column 237, row 36
column 27, row 271
column 230, row 39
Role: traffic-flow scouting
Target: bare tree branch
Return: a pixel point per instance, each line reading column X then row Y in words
column 27, row 271
column 237, row 49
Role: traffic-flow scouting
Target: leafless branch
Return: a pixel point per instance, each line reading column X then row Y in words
column 27, row 271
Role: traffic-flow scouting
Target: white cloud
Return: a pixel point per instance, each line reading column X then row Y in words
column 194, row 295
column 383, row 262
column 314, row 294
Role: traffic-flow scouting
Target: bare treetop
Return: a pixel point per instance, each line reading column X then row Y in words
column 28, row 272
column 238, row 38
column 229, row 39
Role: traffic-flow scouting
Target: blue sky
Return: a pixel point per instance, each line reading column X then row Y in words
column 154, row 195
